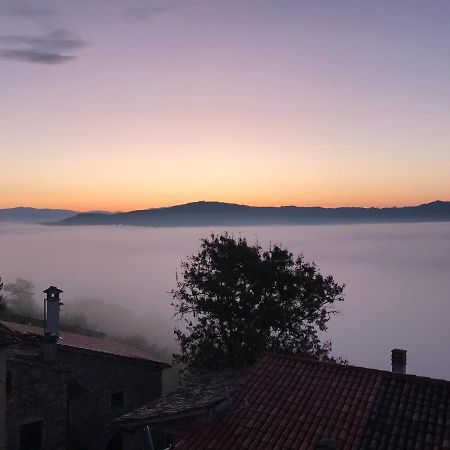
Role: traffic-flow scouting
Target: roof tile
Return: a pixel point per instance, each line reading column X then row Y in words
column 82, row 342
column 290, row 403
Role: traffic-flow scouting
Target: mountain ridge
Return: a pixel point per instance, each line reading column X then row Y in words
column 204, row 213
column 27, row 214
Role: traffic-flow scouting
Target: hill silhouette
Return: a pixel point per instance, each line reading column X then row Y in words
column 219, row 214
column 34, row 215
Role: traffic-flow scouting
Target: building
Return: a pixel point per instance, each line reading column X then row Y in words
column 6, row 341
column 168, row 417
column 287, row 402
column 63, row 388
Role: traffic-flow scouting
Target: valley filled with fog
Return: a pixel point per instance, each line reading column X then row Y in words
column 397, row 280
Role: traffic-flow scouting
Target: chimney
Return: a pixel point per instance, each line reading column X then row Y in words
column 398, row 360
column 52, row 305
column 51, row 313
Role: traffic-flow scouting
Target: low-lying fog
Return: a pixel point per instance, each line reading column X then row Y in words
column 397, row 277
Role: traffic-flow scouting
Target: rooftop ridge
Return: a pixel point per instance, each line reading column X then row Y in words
column 290, row 401
column 357, row 368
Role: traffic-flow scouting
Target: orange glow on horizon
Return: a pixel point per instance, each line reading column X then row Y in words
column 177, row 112
column 86, row 205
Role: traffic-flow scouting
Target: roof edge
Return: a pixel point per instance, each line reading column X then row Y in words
column 152, row 362
column 121, row 423
column 353, row 367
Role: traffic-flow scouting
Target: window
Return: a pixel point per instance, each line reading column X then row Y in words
column 8, row 382
column 31, row 435
column 117, row 399
column 161, row 440
column 115, row 443
column 73, row 389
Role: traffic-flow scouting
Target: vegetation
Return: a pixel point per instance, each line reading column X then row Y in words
column 234, row 301
column 20, row 298
column 3, row 304
column 20, row 306
column 141, row 342
column 78, row 319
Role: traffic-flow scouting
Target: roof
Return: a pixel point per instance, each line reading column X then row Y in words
column 292, row 403
column 104, row 346
column 194, row 399
column 8, row 338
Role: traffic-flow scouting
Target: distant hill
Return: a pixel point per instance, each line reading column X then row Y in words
column 32, row 215
column 220, row 214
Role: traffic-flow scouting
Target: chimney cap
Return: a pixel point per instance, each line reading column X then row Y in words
column 398, row 350
column 52, row 290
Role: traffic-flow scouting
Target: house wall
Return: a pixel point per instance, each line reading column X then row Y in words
column 93, row 379
column 137, row 439
column 37, row 393
column 163, row 435
column 2, row 397
column 72, row 395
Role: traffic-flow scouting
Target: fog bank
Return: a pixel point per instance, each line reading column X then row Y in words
column 397, row 278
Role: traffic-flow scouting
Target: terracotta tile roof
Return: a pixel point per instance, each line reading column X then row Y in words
column 409, row 412
column 85, row 343
column 292, row 403
column 194, row 399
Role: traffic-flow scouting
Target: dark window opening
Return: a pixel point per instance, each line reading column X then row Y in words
column 161, row 440
column 117, row 399
column 116, row 443
column 31, row 435
column 8, row 382
column 73, row 389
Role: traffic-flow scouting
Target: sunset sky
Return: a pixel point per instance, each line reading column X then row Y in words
column 131, row 104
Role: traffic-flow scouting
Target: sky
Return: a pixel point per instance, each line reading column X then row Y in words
column 121, row 105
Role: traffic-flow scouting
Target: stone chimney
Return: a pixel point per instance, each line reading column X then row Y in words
column 398, row 360
column 52, row 306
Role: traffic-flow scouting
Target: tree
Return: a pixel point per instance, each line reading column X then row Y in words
column 234, row 301
column 3, row 304
column 21, row 297
column 141, row 342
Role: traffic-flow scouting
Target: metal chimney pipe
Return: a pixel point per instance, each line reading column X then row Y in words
column 398, row 358
column 52, row 307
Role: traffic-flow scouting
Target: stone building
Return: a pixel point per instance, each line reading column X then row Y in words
column 63, row 389
column 5, row 341
column 168, row 417
column 287, row 402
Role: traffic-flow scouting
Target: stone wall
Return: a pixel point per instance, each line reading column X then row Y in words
column 2, row 397
column 93, row 379
column 36, row 393
column 72, row 396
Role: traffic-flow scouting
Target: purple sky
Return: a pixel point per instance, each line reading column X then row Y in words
column 114, row 104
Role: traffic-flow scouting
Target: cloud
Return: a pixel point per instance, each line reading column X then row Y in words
column 34, row 57
column 29, row 11
column 149, row 10
column 48, row 48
